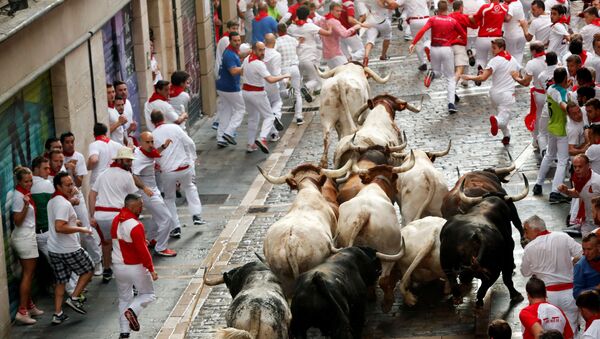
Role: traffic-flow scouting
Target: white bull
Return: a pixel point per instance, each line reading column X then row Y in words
column 421, row 190
column 421, row 260
column 302, row 238
column 345, row 88
column 369, row 219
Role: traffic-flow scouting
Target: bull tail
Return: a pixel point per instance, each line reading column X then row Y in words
column 233, row 333
column 430, row 193
column 344, row 100
column 291, row 248
column 322, row 288
column 357, row 225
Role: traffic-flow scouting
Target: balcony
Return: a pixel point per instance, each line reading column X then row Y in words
column 10, row 24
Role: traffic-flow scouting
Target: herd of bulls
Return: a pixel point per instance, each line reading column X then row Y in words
column 323, row 259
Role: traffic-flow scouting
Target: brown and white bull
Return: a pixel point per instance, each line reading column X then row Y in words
column 346, row 87
column 302, row 238
column 378, row 129
column 369, row 219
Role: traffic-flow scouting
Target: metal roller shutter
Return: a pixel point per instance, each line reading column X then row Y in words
column 190, row 57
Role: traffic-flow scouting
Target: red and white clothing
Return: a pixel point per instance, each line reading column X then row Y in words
column 308, row 52
column 23, row 237
column 557, row 39
column 549, row 257
column 128, row 111
column 490, row 18
column 105, row 149
column 272, row 60
column 548, row 4
column 513, row 33
column 592, row 331
column 332, row 52
column 470, row 7
column 502, row 91
column 352, row 46
column 540, row 28
column 159, row 102
column 587, row 33
column 132, row 265
column 118, row 134
column 180, row 100
column 417, row 13
column 534, row 68
column 287, row 45
column 548, row 316
column 255, row 97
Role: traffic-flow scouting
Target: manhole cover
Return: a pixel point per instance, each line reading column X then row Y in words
column 213, row 199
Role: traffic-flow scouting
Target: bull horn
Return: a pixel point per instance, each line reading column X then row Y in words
column 415, row 109
column 337, row 173
column 362, row 109
column 326, row 74
column 333, row 249
column 213, row 282
column 376, row 76
column 521, row 195
column 467, row 200
column 274, row 180
column 406, row 166
column 261, row 258
column 505, row 170
column 344, row 178
column 398, row 148
column 440, row 153
column 392, row 257
column 398, row 154
column 358, row 170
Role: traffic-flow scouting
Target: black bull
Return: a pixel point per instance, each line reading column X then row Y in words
column 479, row 244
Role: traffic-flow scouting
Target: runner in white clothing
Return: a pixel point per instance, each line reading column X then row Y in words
column 558, row 40
column 417, row 14
column 100, row 152
column 179, row 98
column 592, row 27
column 589, row 307
column 160, row 101
column 379, row 25
column 273, row 62
column 116, row 118
column 122, row 91
column 515, row 29
column 540, row 26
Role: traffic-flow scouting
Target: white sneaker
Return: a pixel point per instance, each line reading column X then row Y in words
column 25, row 318
column 98, row 269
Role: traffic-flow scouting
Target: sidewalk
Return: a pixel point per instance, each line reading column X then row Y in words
column 223, row 176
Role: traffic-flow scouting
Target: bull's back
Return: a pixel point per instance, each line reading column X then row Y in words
column 260, row 311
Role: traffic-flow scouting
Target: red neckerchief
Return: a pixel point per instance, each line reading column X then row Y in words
column 329, row 16
column 261, row 15
column 578, row 184
column 126, row 214
column 152, row 154
column 116, row 164
column 300, row 23
column 59, row 193
column 537, row 55
column 225, row 34
column 583, row 56
column 158, row 124
column 53, row 172
column 544, row 232
column 595, row 22
column 67, row 154
column 175, row 90
column 155, row 96
column 562, row 20
column 505, row 55
column 102, row 138
column 27, row 193
column 252, row 57
column 111, row 105
column 589, row 322
column 229, row 47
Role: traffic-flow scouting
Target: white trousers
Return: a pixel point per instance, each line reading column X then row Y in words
column 162, row 221
column 275, row 102
column 231, row 108
column 296, row 82
column 90, row 242
column 504, row 103
column 483, row 46
column 126, row 277
column 415, row 27
column 442, row 63
column 311, row 78
column 353, row 48
column 257, row 106
column 185, row 178
column 104, row 220
column 564, row 300
column 382, row 30
column 558, row 148
column 540, row 132
column 516, row 46
column 336, row 61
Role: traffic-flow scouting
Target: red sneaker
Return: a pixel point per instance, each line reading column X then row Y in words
column 131, row 317
column 494, row 125
column 428, row 53
column 151, row 243
column 166, row 253
column 428, row 78
column 505, row 141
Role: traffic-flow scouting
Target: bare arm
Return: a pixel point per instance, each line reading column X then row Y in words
column 523, row 81
column 481, row 77
column 140, row 184
column 20, row 216
column 273, row 79
column 235, row 71
column 92, row 162
column 62, row 226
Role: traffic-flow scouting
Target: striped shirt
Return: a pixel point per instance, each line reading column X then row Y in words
column 286, row 46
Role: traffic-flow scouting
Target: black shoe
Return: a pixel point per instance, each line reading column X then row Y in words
column 451, row 108
column 59, row 319
column 556, row 198
column 262, row 145
column 299, row 121
column 230, row 139
column 178, row 194
column 479, row 71
column 176, row 233
column 423, row 67
column 123, row 335
column 456, row 98
column 198, row 220
column 306, row 94
column 222, row 144
column 537, row 189
column 572, row 231
column 131, row 317
column 76, row 305
column 400, row 21
column 107, row 275
column 471, row 57
column 278, row 125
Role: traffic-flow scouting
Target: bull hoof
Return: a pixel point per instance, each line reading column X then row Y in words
column 410, row 299
column 517, row 298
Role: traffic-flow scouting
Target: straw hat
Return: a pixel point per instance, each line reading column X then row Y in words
column 124, row 153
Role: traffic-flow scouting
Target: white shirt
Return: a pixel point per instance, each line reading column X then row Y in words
column 540, row 28
column 593, row 332
column 590, row 190
column 60, row 208
column 549, row 258
column 167, row 110
column 17, row 206
column 593, row 61
column 575, row 134
column 556, row 41
column 534, row 68
column 183, row 99
column 272, row 60
column 155, row 70
column 512, row 28
column 119, row 133
column 502, row 81
column 471, row 7
column 287, row 45
column 128, row 111
column 593, row 152
column 143, row 167
column 587, row 33
column 80, row 167
column 255, row 72
column 112, row 187
column 181, row 152
column 105, row 152
column 307, row 50
column 221, row 46
column 417, row 8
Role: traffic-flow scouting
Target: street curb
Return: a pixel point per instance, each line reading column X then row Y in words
column 193, row 297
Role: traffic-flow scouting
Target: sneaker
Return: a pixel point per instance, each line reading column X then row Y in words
column 34, row 311
column 277, row 124
column 479, row 71
column 262, row 144
column 423, row 67
column 384, row 58
column 451, row 108
column 493, row 125
column 215, row 125
column 537, row 189
column 135, row 291
column 25, row 319
column 556, row 198
column 456, row 98
column 429, row 78
column 152, row 244
column 230, row 139
column 505, row 141
column 222, row 144
column 176, row 233
column 123, row 335
column 107, row 275
column 299, row 121
column 98, row 269
column 76, row 305
column 365, row 61
column 471, row 57
column 134, row 325
column 274, row 137
column 305, row 94
column 166, row 253
column 400, row 22
column 407, row 37
column 573, row 233
column 251, row 148
column 198, row 220
column 59, row 319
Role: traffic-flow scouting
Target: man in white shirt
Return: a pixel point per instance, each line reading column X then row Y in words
column 121, row 88
column 177, row 165
column 272, row 60
column 64, row 248
column 540, row 26
column 558, row 40
column 593, row 60
column 41, row 193
column 586, row 186
column 232, row 26
column 417, row 14
column 515, row 28
column 550, row 256
column 117, row 120
column 246, row 10
column 592, row 27
column 160, row 101
column 100, row 152
column 589, row 306
column 179, row 98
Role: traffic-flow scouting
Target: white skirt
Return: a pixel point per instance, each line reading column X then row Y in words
column 25, row 244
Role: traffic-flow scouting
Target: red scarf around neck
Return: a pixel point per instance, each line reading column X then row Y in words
column 27, row 193
column 59, row 193
column 329, row 16
column 53, row 172
column 252, row 57
column 562, row 20
column 583, row 56
column 544, row 232
column 154, row 153
column 126, row 214
column 596, row 22
column 299, row 22
column 156, row 96
column 229, row 47
column 578, row 184
column 175, row 90
column 505, row 55
column 159, row 124
column 261, row 15
column 102, row 138
column 537, row 55
column 116, row 164
column 111, row 104
column 589, row 321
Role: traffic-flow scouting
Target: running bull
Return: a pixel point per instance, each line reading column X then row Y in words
column 479, row 244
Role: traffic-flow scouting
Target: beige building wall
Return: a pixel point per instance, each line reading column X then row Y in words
column 229, row 10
